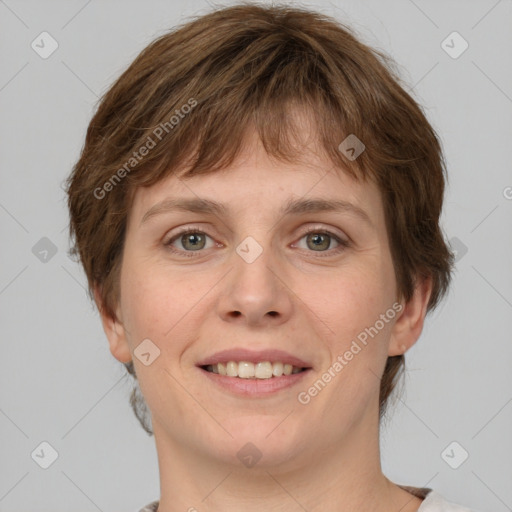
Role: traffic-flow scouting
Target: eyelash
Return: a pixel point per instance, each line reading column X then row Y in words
column 343, row 244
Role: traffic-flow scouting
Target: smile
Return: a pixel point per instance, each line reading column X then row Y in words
column 254, row 374
column 248, row 370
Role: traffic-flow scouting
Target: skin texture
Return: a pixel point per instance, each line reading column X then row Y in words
column 320, row 456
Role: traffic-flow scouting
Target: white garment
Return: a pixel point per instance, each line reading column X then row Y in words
column 432, row 502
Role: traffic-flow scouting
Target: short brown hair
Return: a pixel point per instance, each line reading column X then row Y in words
column 242, row 68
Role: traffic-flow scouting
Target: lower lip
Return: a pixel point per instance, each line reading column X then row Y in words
column 255, row 387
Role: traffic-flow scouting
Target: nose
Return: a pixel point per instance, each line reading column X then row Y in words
column 255, row 293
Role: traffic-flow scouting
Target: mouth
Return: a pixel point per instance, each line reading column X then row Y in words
column 254, row 374
column 247, row 370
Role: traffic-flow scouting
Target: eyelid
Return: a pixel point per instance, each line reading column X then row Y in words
column 330, row 231
column 183, row 230
column 318, row 227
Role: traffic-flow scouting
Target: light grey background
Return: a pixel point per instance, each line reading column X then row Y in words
column 59, row 382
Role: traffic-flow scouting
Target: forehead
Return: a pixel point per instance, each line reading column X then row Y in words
column 258, row 183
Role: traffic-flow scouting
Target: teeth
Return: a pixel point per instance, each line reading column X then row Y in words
column 246, row 370
column 232, row 369
column 277, row 369
column 263, row 370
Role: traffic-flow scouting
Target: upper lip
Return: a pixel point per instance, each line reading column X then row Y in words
column 243, row 354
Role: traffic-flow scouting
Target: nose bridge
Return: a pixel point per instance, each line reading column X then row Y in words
column 255, row 292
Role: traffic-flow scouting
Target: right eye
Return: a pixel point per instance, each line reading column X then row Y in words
column 190, row 239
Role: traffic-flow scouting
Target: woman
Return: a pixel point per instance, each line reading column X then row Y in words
column 257, row 211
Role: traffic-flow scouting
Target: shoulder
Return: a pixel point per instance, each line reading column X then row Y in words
column 434, row 502
column 152, row 507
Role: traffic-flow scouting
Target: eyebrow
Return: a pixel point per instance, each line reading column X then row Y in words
column 291, row 207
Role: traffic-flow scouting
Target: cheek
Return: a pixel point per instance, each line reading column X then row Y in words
column 162, row 305
column 347, row 306
column 348, row 299
column 149, row 301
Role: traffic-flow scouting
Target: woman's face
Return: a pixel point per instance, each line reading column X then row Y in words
column 266, row 275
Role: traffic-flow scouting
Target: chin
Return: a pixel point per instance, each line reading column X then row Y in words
column 260, row 441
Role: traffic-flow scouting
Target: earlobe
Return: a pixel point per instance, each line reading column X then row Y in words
column 114, row 330
column 408, row 326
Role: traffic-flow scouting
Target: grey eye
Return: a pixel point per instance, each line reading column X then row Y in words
column 193, row 241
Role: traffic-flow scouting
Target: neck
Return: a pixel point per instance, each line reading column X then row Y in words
column 346, row 478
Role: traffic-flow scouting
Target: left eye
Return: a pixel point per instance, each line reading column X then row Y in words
column 320, row 241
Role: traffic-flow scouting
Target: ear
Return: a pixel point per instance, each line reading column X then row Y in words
column 408, row 326
column 114, row 329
